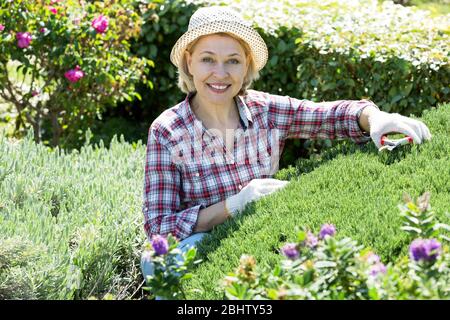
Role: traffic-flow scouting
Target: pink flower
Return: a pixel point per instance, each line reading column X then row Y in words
column 23, row 39
column 100, row 24
column 74, row 75
column 34, row 93
column 53, row 10
column 2, row 27
column 43, row 30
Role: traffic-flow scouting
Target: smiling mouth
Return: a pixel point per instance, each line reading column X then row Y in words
column 218, row 89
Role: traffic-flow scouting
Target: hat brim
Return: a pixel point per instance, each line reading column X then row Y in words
column 246, row 33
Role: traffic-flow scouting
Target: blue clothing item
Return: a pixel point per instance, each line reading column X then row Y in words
column 147, row 267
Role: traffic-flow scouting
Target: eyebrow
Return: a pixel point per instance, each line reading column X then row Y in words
column 230, row 55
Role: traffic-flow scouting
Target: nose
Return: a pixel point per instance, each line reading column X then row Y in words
column 220, row 70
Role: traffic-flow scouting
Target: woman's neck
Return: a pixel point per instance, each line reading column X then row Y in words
column 215, row 115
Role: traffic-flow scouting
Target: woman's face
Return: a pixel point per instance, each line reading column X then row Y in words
column 218, row 65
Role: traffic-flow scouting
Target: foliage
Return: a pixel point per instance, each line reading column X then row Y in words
column 79, row 211
column 171, row 270
column 354, row 187
column 70, row 68
column 340, row 269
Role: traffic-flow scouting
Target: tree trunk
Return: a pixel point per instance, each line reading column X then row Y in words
column 56, row 128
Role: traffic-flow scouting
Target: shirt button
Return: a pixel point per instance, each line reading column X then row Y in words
column 240, row 187
column 197, row 174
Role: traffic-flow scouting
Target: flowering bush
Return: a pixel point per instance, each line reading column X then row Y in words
column 171, row 267
column 341, row 269
column 66, row 61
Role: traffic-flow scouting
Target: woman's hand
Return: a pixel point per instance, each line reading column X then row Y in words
column 382, row 123
column 254, row 190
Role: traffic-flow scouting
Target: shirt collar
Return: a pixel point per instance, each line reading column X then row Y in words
column 189, row 116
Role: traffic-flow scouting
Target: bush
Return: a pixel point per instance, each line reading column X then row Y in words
column 74, row 61
column 164, row 23
column 354, row 187
column 81, row 213
column 324, row 267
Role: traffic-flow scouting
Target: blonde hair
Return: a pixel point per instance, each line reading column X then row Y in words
column 186, row 81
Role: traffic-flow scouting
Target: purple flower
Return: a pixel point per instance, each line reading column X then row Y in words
column 74, row 75
column 424, row 249
column 290, row 251
column 377, row 269
column 23, row 39
column 327, row 230
column 311, row 240
column 100, row 24
column 34, row 93
column 2, row 27
column 160, row 245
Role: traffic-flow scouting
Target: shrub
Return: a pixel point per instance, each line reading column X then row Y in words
column 356, row 188
column 74, row 61
column 81, row 213
column 340, row 269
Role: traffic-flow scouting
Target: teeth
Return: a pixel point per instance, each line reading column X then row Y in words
column 218, row 87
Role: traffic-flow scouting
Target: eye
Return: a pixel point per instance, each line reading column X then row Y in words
column 207, row 59
column 234, row 61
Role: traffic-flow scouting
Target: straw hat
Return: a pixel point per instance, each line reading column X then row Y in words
column 216, row 19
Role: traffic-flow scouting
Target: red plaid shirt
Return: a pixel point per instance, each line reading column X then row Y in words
column 188, row 169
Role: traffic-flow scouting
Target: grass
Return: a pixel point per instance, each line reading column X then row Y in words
column 355, row 188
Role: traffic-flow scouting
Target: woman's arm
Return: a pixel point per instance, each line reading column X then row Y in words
column 363, row 120
column 211, row 216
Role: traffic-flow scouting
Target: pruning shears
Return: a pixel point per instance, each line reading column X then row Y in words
column 390, row 145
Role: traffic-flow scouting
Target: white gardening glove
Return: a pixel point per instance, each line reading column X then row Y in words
column 254, row 190
column 382, row 123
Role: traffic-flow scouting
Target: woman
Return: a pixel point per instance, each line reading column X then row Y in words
column 216, row 151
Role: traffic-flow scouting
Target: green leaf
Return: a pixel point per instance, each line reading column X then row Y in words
column 412, row 229
column 325, row 264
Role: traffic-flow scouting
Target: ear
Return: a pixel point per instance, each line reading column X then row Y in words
column 188, row 60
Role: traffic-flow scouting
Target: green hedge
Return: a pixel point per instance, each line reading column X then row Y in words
column 353, row 187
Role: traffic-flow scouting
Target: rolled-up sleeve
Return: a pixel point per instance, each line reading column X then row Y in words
column 162, row 187
column 318, row 120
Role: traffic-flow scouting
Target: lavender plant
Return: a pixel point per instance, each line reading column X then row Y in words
column 171, row 267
